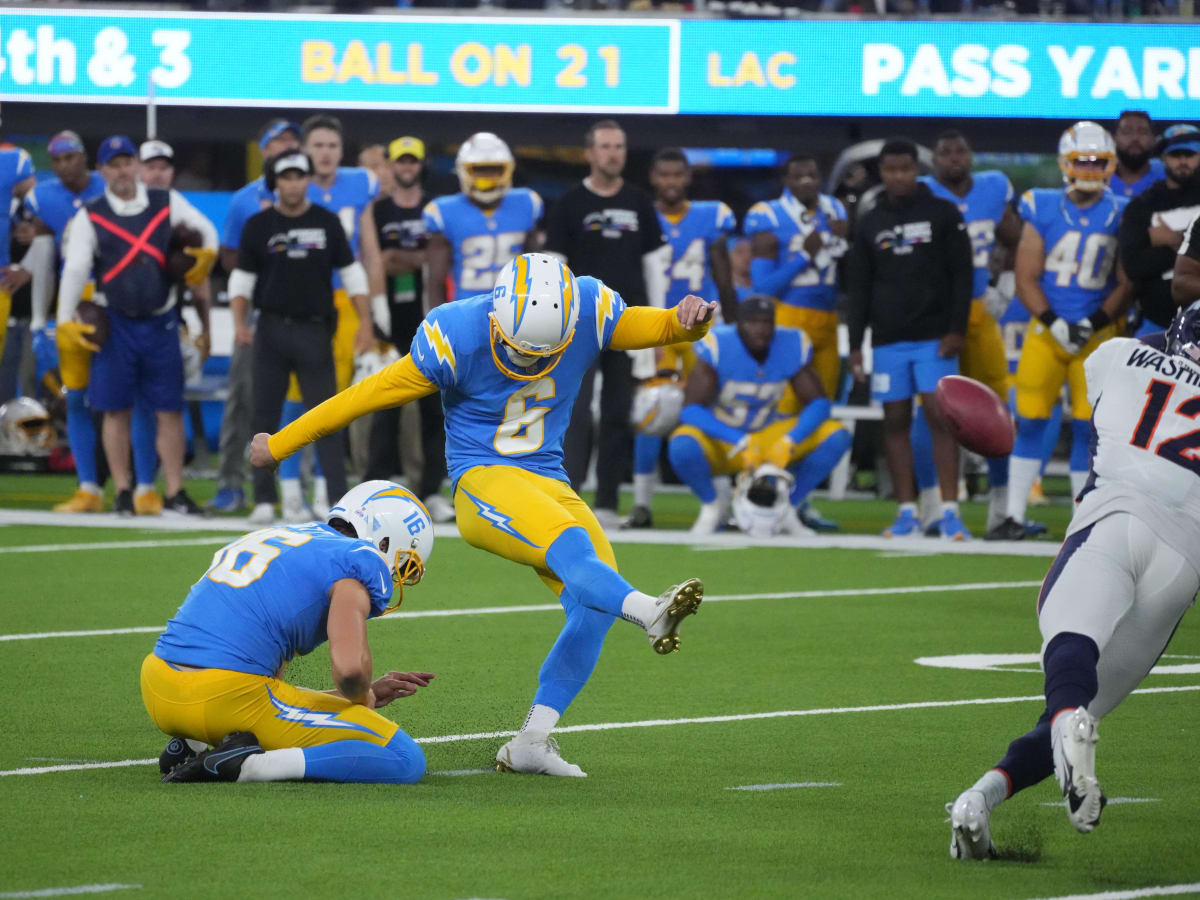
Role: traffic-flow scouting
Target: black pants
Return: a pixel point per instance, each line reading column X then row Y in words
column 614, row 443
column 383, row 457
column 283, row 346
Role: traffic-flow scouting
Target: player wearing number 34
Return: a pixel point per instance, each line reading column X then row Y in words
column 509, row 365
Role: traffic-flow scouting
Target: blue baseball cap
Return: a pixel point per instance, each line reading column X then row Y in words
column 117, row 145
column 65, row 142
column 1177, row 138
column 276, row 130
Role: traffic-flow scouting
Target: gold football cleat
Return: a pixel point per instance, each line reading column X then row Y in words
column 148, row 504
column 81, row 501
column 674, row 604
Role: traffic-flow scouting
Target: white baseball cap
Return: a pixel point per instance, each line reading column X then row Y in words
column 156, row 150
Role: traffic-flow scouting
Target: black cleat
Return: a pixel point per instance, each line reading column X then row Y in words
column 174, row 754
column 184, row 505
column 123, row 504
column 1008, row 530
column 639, row 517
column 222, row 763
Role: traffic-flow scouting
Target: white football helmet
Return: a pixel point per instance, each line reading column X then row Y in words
column 1086, row 141
column 535, row 305
column 657, row 403
column 761, row 500
column 484, row 149
column 395, row 523
column 26, row 428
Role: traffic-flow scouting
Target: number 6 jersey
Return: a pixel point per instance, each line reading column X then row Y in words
column 1145, row 442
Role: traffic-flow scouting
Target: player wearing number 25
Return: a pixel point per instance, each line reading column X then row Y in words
column 509, row 365
column 481, row 229
column 1076, row 291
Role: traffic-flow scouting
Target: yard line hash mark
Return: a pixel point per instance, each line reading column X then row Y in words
column 785, row 786
column 1159, row 891
column 78, row 889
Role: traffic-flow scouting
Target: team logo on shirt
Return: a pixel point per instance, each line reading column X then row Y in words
column 297, row 242
column 611, row 223
column 900, row 240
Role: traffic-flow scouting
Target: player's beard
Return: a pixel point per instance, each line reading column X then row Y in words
column 1133, row 161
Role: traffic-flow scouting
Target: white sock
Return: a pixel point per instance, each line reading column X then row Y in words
column 929, row 502
column 724, row 488
column 997, row 506
column 320, row 492
column 90, row 486
column 196, row 746
column 643, row 489
column 638, row 608
column 1022, row 473
column 950, row 506
column 290, row 493
column 994, row 787
column 911, row 507
column 143, row 489
column 1078, row 480
column 274, row 765
column 539, row 723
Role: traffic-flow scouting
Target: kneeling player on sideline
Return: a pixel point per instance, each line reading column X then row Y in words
column 215, row 676
column 731, row 418
column 1126, row 574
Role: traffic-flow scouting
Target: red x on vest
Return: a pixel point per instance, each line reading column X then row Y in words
column 137, row 244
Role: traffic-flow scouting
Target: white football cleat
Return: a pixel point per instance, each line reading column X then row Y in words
column 673, row 606
column 709, row 519
column 1073, row 741
column 439, row 508
column 263, row 514
column 970, row 837
column 523, row 757
column 295, row 513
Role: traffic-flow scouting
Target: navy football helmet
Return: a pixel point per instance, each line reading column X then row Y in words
column 1183, row 337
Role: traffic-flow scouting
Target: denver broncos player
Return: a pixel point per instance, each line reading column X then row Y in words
column 509, row 365
column 796, row 240
column 215, row 675
column 1076, row 291
column 696, row 231
column 731, row 420
column 474, row 234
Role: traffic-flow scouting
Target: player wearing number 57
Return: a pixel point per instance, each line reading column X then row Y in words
column 509, row 366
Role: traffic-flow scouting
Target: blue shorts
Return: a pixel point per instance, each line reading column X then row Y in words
column 906, row 368
column 141, row 359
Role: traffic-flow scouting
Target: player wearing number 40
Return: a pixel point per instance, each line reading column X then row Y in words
column 509, row 365
column 215, row 675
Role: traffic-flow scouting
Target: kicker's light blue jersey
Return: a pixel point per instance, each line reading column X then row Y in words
column 704, row 222
column 815, row 286
column 982, row 209
column 483, row 241
column 492, row 419
column 748, row 392
column 55, row 204
column 1081, row 248
column 15, row 167
column 265, row 598
column 245, row 202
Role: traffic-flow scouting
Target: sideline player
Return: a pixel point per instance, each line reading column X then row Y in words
column 475, row 233
column 1076, row 291
column 983, row 198
column 215, row 675
column 731, row 420
column 696, row 231
column 1137, row 165
column 1122, row 582
column 509, row 365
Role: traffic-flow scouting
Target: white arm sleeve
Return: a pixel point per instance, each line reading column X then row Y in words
column 354, row 279
column 241, row 284
column 183, row 212
column 79, row 246
column 39, row 262
column 654, row 272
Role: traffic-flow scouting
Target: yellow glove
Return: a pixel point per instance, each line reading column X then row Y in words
column 71, row 333
column 781, row 452
column 752, row 456
column 205, row 258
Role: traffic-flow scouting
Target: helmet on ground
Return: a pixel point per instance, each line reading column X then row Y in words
column 535, row 305
column 1086, row 142
column 26, row 429
column 657, row 403
column 1183, row 334
column 480, row 151
column 394, row 522
column 761, row 500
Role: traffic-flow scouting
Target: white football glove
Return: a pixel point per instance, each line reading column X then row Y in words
column 1071, row 336
column 995, row 302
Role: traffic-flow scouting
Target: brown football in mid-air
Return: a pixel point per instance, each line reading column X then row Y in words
column 90, row 313
column 975, row 415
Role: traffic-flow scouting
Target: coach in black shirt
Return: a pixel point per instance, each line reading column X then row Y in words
column 909, row 277
column 608, row 229
column 286, row 260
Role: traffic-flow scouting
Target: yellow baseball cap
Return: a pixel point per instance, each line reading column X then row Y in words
column 406, row 146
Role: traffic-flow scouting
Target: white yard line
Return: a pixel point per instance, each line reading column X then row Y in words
column 1165, row 891
column 1111, row 801
column 114, row 545
column 553, row 607
column 787, row 785
column 652, row 723
column 78, row 889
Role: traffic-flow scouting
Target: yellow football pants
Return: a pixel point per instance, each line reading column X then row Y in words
column 821, row 328
column 983, row 356
column 518, row 514
column 718, row 453
column 343, row 345
column 1045, row 365
column 207, row 704
column 5, row 309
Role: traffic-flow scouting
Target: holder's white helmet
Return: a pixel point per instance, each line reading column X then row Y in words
column 761, row 500
column 657, row 403
column 484, row 149
column 25, row 428
column 1086, row 141
column 395, row 523
column 535, row 305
